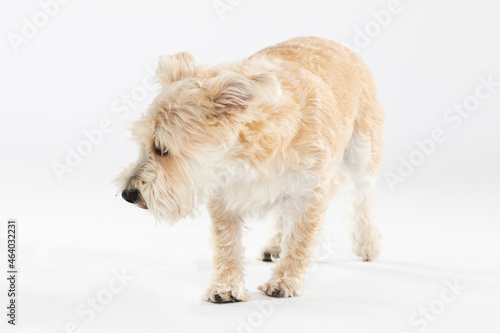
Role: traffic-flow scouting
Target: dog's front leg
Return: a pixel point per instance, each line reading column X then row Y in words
column 287, row 279
column 228, row 278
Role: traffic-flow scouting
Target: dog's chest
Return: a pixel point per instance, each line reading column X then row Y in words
column 254, row 192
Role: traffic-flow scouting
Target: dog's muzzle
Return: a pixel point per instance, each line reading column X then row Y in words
column 134, row 197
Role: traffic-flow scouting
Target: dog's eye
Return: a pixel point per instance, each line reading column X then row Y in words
column 161, row 152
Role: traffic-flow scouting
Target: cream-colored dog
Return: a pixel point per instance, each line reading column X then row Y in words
column 273, row 135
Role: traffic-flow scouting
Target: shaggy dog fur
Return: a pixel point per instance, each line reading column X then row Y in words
column 272, row 135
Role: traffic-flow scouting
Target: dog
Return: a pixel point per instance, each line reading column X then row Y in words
column 272, row 135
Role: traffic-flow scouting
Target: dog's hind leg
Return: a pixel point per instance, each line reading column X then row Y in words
column 360, row 166
column 272, row 248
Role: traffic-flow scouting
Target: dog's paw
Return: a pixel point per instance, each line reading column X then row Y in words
column 368, row 249
column 269, row 255
column 226, row 293
column 283, row 287
column 270, row 252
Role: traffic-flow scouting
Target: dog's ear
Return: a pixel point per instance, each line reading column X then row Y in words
column 175, row 67
column 231, row 92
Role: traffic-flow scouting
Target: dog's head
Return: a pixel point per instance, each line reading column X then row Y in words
column 189, row 130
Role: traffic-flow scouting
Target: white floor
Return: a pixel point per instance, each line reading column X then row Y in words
column 75, row 238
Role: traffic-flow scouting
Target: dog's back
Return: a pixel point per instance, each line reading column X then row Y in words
column 337, row 77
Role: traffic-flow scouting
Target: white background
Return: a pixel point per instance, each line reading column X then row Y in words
column 441, row 224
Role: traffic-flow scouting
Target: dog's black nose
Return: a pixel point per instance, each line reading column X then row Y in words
column 131, row 195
